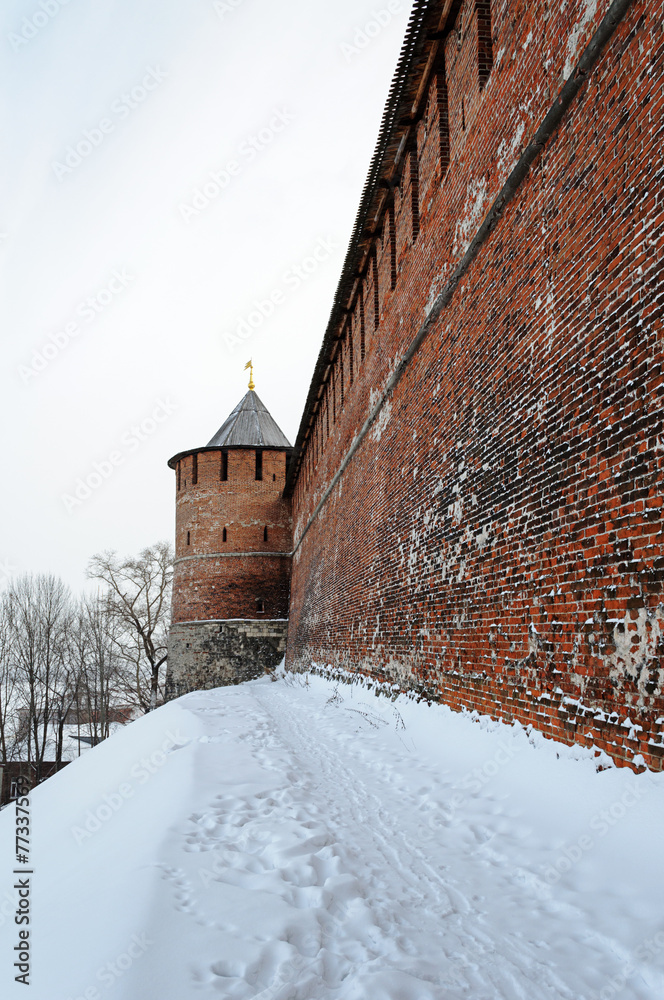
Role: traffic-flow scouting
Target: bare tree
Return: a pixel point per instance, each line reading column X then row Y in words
column 39, row 613
column 95, row 649
column 8, row 716
column 64, row 693
column 139, row 596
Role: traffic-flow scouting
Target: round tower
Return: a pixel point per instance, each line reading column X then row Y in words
column 233, row 540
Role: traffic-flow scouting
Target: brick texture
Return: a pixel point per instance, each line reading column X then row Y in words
column 496, row 538
column 246, row 575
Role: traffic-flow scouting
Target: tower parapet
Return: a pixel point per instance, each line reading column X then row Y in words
column 233, row 541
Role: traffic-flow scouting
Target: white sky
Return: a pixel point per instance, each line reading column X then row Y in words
column 220, row 72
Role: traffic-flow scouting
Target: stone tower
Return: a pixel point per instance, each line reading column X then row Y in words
column 233, row 540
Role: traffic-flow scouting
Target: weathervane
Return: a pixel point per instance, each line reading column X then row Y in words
column 250, row 366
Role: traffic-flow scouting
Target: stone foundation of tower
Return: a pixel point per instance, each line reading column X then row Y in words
column 203, row 655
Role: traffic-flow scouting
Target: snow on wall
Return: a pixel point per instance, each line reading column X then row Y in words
column 497, row 539
column 578, row 35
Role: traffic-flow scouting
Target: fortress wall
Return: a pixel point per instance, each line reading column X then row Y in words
column 496, row 538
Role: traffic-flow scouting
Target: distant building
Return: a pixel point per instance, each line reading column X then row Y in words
column 19, row 774
column 83, row 716
column 114, row 713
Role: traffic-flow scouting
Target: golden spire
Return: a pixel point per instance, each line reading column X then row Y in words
column 250, row 366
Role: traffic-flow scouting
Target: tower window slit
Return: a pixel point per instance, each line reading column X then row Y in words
column 223, row 475
column 194, row 470
column 224, row 535
column 259, row 464
column 265, row 533
column 188, row 538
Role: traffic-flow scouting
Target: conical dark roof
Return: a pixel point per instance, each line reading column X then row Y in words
column 250, row 425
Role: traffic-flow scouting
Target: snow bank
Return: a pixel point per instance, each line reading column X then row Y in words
column 303, row 839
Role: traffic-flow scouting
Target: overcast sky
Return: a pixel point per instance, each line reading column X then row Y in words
column 168, row 165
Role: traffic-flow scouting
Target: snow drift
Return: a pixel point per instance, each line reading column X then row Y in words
column 305, row 839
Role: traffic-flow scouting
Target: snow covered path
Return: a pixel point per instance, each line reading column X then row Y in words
column 311, row 841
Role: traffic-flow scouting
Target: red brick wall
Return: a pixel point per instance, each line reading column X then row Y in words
column 210, row 582
column 496, row 539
